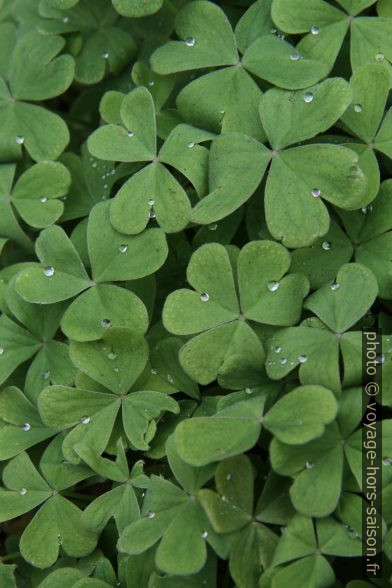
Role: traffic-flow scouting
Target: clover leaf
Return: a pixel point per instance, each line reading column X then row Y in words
column 221, row 318
column 326, row 27
column 113, row 256
column 319, row 343
column 153, row 192
column 167, row 511
column 58, row 519
column 105, row 47
column 131, row 8
column 34, row 72
column 108, row 362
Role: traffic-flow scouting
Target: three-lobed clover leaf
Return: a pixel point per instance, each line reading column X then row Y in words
column 172, row 516
column 116, row 361
column 213, row 309
column 105, row 47
column 58, row 519
column 113, row 257
column 35, row 196
column 153, row 192
column 326, row 27
column 316, row 346
column 32, row 71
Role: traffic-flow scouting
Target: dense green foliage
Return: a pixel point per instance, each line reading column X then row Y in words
column 195, row 225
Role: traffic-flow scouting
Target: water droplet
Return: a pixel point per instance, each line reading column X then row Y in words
column 326, row 245
column 367, row 208
column 295, row 56
column 2, row 350
column 315, row 30
column 283, row 530
column 351, row 532
column 309, row 465
column 380, row 359
column 278, row 349
column 105, row 323
column 204, row 297
column 298, row 422
column 22, row 491
column 316, row 192
column 150, row 514
column 116, row 369
column 152, row 214
column 130, row 133
column 123, row 248
column 222, row 111
column 46, row 375
column 302, row 358
column 65, row 19
column 20, row 139
column 151, row 82
column 248, row 390
column 26, row 427
column 308, row 97
column 190, row 42
column 43, row 199
column 387, row 461
column 270, row 362
column 190, row 145
column 379, row 57
column 204, row 534
column 105, row 55
column 151, row 202
column 228, row 477
column 111, row 355
column 170, row 379
column 335, row 286
column 94, row 164
column 213, row 227
column 85, row 420
column 153, row 371
column 283, row 361
column 273, row 286
column 357, row 108
column 49, row 271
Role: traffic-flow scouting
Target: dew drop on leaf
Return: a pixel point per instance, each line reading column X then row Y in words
column 302, row 358
column 151, row 82
column 204, row 297
column 130, row 133
column 387, row 461
column 105, row 55
column 46, row 375
column 380, row 359
column 273, row 286
column 309, row 465
column 357, row 107
column 2, row 350
column 190, row 42
column 49, row 271
column 150, row 514
column 316, row 192
column 308, row 97
column 65, row 19
column 123, row 248
column 278, row 349
column 295, row 56
column 20, row 140
column 22, row 491
column 26, row 427
column 335, row 286
column 43, row 199
column 111, row 355
column 283, row 361
column 204, row 534
column 153, row 371
column 151, row 202
column 326, row 245
column 213, row 226
column 228, row 477
column 248, row 390
column 380, row 57
column 85, row 420
column 190, row 145
column 105, row 323
column 314, row 30
column 152, row 214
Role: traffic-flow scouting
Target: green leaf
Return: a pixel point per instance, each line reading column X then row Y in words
column 17, row 346
column 232, row 155
column 137, row 8
column 300, row 416
column 272, row 60
column 153, row 190
column 370, row 85
column 335, row 306
column 117, row 257
column 208, row 41
column 102, row 307
column 369, row 38
column 287, row 118
column 61, row 275
column 116, row 361
column 311, row 572
column 294, row 214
